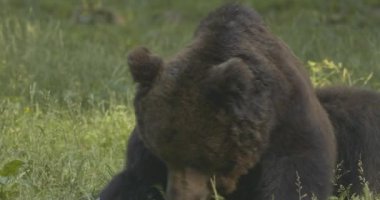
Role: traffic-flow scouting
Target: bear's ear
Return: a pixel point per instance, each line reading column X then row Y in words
column 143, row 65
column 231, row 79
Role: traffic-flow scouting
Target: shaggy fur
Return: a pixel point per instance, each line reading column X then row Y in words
column 235, row 104
column 355, row 114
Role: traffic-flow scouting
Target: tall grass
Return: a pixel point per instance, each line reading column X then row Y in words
column 65, row 153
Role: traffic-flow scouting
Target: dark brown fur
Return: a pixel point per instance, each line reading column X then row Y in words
column 236, row 101
column 355, row 114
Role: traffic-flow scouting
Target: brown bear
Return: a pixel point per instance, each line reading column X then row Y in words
column 355, row 114
column 235, row 104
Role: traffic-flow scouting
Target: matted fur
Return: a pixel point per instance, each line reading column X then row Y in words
column 235, row 103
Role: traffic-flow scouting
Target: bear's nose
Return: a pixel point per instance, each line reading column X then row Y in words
column 187, row 184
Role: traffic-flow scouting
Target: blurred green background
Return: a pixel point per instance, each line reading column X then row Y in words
column 46, row 47
column 65, row 89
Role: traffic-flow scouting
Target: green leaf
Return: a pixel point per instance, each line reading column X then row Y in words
column 11, row 168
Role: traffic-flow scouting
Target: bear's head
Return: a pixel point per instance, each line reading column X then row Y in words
column 203, row 119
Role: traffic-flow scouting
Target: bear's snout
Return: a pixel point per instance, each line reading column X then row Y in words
column 187, row 184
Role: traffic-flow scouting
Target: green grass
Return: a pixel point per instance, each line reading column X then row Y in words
column 65, row 89
column 67, row 154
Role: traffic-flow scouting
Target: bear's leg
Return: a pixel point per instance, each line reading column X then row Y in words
column 354, row 113
column 141, row 179
column 298, row 176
